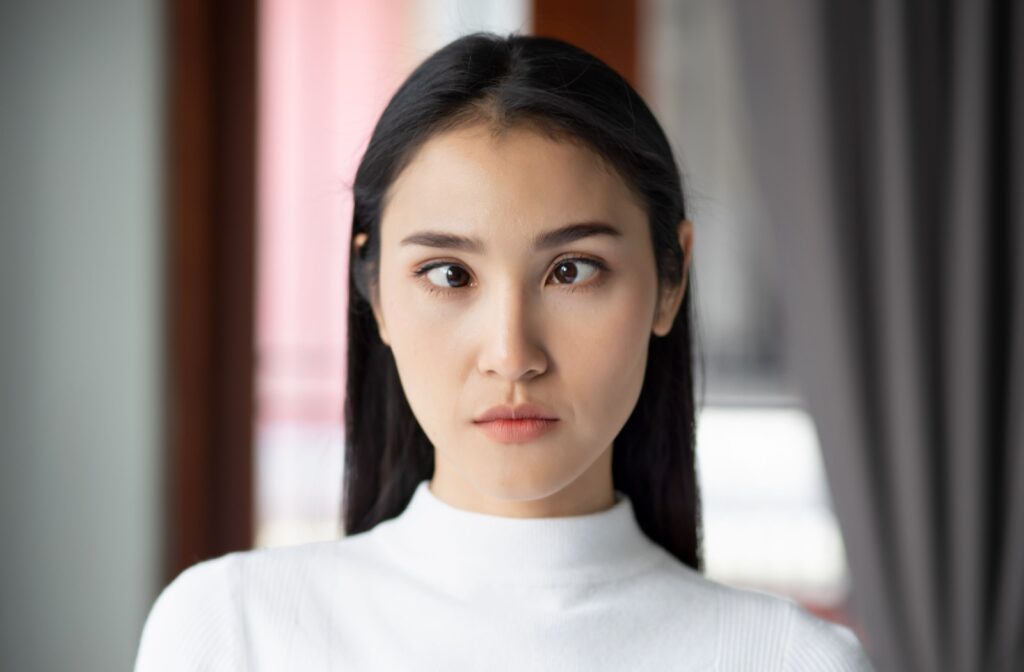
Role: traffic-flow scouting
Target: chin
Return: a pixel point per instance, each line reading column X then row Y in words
column 518, row 485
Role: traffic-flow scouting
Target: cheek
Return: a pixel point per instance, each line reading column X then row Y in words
column 604, row 363
column 426, row 349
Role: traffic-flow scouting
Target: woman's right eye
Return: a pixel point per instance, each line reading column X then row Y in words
column 445, row 276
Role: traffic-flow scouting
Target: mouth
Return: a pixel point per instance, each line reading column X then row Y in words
column 521, row 430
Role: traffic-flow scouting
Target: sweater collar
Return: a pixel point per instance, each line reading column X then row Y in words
column 466, row 545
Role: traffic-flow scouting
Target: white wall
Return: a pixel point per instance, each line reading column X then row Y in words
column 80, row 311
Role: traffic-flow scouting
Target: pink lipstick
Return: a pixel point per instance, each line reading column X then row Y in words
column 516, row 424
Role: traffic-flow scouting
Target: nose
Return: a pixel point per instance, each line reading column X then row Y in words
column 510, row 347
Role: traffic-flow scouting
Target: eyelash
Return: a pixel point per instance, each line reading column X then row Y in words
column 602, row 269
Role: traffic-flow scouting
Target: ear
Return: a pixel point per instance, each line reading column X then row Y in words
column 358, row 241
column 670, row 298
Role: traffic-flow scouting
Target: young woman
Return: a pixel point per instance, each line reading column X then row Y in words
column 520, row 490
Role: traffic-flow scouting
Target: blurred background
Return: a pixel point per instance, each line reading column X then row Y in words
column 173, row 270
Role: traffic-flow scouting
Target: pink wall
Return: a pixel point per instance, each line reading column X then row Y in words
column 326, row 71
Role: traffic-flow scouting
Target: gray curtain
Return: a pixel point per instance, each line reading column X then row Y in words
column 889, row 146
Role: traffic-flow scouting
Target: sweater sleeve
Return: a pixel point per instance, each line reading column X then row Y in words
column 817, row 644
column 194, row 623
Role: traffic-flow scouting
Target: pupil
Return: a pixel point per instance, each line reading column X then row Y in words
column 572, row 274
column 453, row 273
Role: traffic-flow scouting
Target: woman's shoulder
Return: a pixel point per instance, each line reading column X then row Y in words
column 801, row 640
column 193, row 622
column 816, row 644
column 197, row 619
column 756, row 625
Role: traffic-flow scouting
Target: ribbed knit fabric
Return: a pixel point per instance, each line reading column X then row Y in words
column 442, row 588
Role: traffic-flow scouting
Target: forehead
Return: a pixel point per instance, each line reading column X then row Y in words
column 469, row 178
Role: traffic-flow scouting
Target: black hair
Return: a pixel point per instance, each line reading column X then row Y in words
column 568, row 93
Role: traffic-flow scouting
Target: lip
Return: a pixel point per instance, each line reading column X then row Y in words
column 520, row 412
column 516, row 424
column 516, row 431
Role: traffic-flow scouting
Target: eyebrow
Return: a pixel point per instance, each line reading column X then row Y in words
column 561, row 236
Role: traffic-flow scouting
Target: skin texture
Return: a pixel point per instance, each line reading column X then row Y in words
column 509, row 329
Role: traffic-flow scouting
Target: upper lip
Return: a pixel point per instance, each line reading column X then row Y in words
column 520, row 412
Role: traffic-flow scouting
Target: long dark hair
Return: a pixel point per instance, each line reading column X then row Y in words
column 569, row 94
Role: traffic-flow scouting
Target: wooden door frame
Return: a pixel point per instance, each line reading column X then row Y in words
column 605, row 28
column 210, row 212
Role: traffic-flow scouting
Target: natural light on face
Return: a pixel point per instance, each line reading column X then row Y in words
column 505, row 321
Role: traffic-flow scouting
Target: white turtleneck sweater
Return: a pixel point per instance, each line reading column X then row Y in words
column 443, row 588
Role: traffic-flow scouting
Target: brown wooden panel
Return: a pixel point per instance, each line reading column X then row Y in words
column 605, row 28
column 210, row 215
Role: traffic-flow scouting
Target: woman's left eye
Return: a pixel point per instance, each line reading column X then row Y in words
column 567, row 271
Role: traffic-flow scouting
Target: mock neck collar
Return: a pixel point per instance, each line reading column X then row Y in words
column 467, row 546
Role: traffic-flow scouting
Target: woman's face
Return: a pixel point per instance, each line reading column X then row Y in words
column 517, row 315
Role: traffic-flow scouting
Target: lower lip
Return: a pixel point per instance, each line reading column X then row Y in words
column 516, row 431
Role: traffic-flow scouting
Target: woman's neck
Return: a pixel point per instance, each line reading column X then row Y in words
column 591, row 492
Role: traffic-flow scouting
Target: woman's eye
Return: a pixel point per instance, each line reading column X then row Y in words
column 567, row 271
column 573, row 272
column 445, row 275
